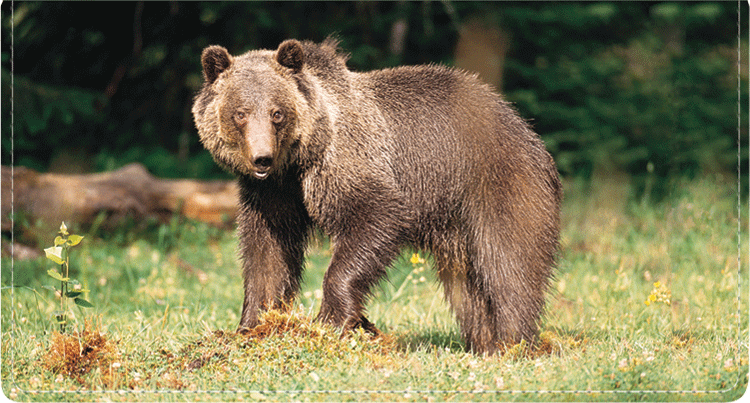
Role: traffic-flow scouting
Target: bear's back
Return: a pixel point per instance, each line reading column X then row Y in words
column 449, row 114
column 441, row 101
column 454, row 136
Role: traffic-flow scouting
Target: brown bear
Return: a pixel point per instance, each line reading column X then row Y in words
column 426, row 156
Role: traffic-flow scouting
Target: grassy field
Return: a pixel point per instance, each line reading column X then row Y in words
column 645, row 306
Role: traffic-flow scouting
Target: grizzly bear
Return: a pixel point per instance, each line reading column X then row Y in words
column 426, row 156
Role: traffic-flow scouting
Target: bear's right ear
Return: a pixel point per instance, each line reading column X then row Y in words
column 215, row 59
column 291, row 55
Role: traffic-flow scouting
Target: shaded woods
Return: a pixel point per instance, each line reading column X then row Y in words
column 648, row 89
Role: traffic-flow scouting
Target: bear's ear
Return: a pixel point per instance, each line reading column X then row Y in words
column 291, row 55
column 215, row 59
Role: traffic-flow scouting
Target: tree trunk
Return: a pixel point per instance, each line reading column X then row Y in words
column 129, row 191
column 482, row 48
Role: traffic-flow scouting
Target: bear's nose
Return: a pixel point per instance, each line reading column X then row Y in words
column 263, row 163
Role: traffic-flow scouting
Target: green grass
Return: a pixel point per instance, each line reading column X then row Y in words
column 168, row 305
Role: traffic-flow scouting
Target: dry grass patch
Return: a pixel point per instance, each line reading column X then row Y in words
column 79, row 353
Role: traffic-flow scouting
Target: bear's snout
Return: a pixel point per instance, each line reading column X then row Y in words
column 262, row 165
column 260, row 147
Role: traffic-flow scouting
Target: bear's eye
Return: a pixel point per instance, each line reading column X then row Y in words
column 239, row 117
column 277, row 116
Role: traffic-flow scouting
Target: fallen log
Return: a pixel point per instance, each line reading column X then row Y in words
column 127, row 192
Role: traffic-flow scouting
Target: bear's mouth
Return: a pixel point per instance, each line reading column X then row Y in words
column 260, row 174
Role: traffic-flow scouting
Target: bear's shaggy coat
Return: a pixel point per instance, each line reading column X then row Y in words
column 422, row 155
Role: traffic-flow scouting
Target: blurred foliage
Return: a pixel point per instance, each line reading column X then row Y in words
column 648, row 88
column 121, row 88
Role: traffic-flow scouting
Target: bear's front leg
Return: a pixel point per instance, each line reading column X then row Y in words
column 359, row 261
column 273, row 227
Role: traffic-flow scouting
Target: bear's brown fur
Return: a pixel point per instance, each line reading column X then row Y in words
column 423, row 155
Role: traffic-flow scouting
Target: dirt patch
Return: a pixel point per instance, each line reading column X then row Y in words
column 548, row 343
column 78, row 353
column 291, row 330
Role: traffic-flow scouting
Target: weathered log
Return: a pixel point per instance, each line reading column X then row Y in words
column 129, row 191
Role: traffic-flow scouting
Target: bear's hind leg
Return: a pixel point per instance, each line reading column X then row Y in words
column 508, row 284
column 473, row 312
column 496, row 299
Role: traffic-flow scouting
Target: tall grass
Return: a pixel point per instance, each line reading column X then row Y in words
column 170, row 309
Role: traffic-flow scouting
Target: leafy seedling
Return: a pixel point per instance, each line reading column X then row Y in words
column 69, row 288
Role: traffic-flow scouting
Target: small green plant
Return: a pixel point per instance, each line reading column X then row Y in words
column 69, row 288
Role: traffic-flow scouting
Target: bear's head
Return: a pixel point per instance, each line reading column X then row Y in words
column 248, row 111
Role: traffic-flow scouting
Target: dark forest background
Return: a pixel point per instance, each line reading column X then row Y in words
column 645, row 88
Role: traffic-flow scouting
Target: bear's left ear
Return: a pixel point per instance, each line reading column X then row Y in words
column 291, row 55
